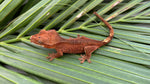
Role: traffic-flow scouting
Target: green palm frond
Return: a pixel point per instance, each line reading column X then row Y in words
column 125, row 59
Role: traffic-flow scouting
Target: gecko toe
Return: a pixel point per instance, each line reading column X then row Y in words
column 51, row 56
column 51, row 59
column 79, row 58
column 89, row 61
column 81, row 62
column 83, row 58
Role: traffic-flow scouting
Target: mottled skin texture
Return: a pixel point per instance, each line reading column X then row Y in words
column 51, row 39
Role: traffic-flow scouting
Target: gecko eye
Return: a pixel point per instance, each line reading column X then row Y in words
column 39, row 37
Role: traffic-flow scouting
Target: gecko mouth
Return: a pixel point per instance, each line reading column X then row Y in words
column 34, row 39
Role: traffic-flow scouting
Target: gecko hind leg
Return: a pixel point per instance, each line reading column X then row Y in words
column 88, row 51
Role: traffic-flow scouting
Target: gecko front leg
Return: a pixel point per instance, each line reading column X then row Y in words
column 88, row 51
column 55, row 55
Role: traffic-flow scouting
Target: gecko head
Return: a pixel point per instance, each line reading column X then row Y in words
column 44, row 37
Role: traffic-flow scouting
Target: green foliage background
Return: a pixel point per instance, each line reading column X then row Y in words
column 125, row 60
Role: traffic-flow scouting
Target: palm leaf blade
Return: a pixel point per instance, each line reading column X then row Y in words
column 42, row 65
column 7, row 6
column 15, row 78
column 138, row 9
column 80, row 13
column 23, row 19
column 43, row 15
column 102, row 11
column 122, row 9
column 66, row 13
column 124, row 60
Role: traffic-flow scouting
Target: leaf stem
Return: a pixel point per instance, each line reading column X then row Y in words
column 14, row 40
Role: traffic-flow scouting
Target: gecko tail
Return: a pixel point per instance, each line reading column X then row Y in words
column 111, row 31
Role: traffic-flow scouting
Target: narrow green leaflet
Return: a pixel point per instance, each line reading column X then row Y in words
column 3, row 80
column 86, row 8
column 48, row 11
column 131, row 28
column 137, row 21
column 66, row 13
column 30, row 4
column 145, row 12
column 121, row 34
column 136, row 10
column 6, row 7
column 4, row 4
column 122, row 9
column 14, row 77
column 103, row 10
column 24, row 19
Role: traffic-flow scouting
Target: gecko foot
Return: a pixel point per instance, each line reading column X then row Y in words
column 51, row 56
column 83, row 58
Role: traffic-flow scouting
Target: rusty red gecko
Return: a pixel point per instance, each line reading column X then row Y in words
column 51, row 39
